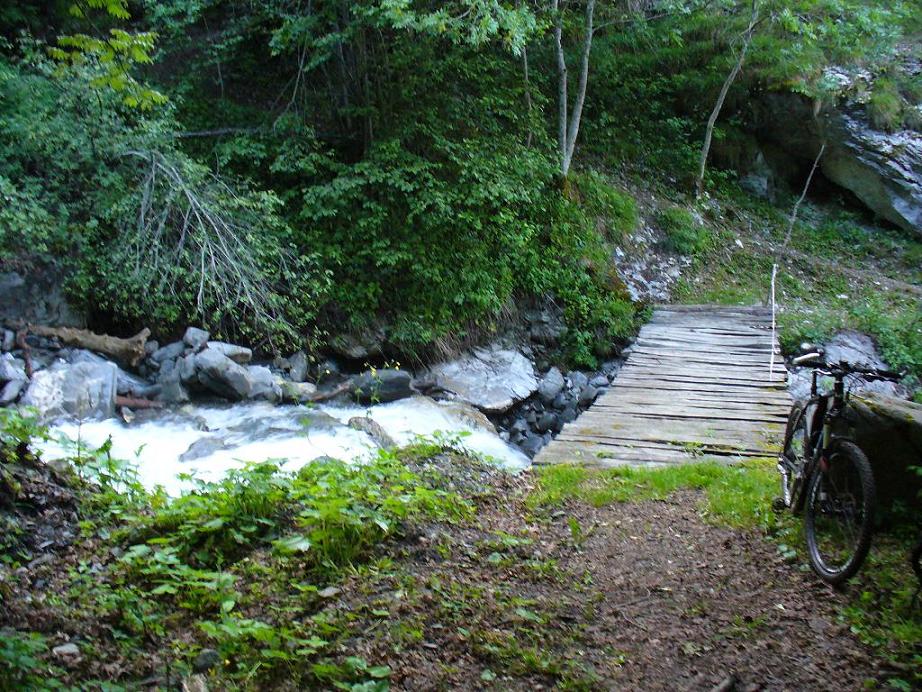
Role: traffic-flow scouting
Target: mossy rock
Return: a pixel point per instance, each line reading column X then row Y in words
column 889, row 431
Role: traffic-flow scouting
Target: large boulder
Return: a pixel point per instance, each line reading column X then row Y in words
column 492, row 379
column 882, row 169
column 128, row 384
column 220, row 375
column 889, row 431
column 83, row 391
column 382, row 386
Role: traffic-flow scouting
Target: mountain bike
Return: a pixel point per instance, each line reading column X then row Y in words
column 825, row 474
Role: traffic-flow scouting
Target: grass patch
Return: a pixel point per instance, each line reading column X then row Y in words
column 738, row 496
column 684, row 234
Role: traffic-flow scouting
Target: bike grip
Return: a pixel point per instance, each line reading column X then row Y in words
column 804, row 358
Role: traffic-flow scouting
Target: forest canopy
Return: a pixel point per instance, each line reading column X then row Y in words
column 281, row 170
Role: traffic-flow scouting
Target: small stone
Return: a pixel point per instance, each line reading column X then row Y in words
column 599, row 381
column 9, row 340
column 546, row 422
column 66, row 650
column 550, row 385
column 329, row 592
column 206, row 660
column 578, row 380
column 11, row 391
column 196, row 338
column 238, row 354
column 588, row 395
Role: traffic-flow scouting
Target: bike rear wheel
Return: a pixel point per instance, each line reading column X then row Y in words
column 840, row 504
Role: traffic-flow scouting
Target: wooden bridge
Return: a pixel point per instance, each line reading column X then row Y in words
column 700, row 383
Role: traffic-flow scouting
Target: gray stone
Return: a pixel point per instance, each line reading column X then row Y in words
column 327, row 370
column 66, row 650
column 11, row 391
column 297, row 392
column 548, row 421
column 238, row 354
column 359, row 346
column 206, row 660
column 81, row 390
column 854, row 348
column 588, row 395
column 374, row 430
column 196, row 338
column 220, row 375
column 382, row 386
column 578, row 380
column 11, row 368
column 263, row 383
column 127, row 384
column 151, row 347
column 203, row 447
column 551, row 385
column 168, row 352
column 8, row 341
column 186, row 369
column 520, row 426
column 884, row 170
column 298, row 365
column 492, row 379
column 599, row 381
column 569, row 414
column 532, row 444
column 36, row 298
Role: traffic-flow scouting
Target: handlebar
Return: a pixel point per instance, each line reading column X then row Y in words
column 842, row 368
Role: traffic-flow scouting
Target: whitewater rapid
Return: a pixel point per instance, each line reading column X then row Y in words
column 206, row 442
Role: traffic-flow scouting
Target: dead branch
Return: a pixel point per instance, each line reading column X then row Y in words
column 127, row 351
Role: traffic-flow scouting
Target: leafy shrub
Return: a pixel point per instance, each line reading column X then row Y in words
column 19, row 426
column 684, row 234
column 20, row 664
column 615, row 210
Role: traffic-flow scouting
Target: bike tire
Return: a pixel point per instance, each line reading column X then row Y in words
column 840, row 504
column 795, row 446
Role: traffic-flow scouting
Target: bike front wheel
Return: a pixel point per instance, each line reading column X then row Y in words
column 839, row 519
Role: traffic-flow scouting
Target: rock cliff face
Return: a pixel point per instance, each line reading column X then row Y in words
column 883, row 170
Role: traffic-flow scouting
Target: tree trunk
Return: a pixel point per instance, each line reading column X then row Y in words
column 568, row 123
column 728, row 82
column 127, row 351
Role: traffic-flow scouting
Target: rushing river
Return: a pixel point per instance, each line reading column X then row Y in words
column 207, row 441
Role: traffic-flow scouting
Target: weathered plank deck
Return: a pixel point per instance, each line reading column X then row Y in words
column 698, row 384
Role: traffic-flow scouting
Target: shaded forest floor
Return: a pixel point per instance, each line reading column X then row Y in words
column 559, row 578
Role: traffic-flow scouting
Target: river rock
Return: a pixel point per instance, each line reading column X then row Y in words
column 599, row 381
column 168, row 352
column 128, row 384
column 11, row 391
column 238, row 354
column 263, row 384
column 359, row 346
column 547, row 421
column 374, row 430
column 297, row 392
column 82, row 390
column 8, row 341
column 203, row 447
column 298, row 365
column 492, row 379
column 551, row 385
column 382, row 386
column 469, row 414
column 578, row 380
column 220, row 375
column 196, row 338
column 587, row 396
column 11, row 368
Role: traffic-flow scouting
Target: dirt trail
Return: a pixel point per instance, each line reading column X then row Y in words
column 631, row 596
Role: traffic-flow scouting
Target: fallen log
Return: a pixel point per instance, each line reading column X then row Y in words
column 136, row 403
column 26, row 352
column 127, row 351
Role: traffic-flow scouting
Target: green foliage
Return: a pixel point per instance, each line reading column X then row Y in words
column 885, row 107
column 21, row 667
column 684, row 234
column 19, row 427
